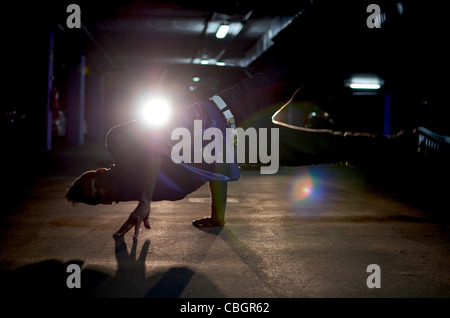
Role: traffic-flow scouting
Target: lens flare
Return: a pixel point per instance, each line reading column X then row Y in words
column 301, row 186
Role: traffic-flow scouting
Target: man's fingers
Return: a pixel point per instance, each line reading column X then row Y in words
column 135, row 219
column 147, row 223
column 136, row 229
column 125, row 228
column 138, row 225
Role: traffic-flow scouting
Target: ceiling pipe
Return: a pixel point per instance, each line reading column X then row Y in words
column 277, row 24
column 202, row 36
column 244, row 20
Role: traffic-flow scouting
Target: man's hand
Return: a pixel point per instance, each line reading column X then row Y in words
column 149, row 176
column 139, row 215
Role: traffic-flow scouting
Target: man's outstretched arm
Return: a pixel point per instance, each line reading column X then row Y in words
column 142, row 211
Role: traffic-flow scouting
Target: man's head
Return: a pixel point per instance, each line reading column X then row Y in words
column 92, row 187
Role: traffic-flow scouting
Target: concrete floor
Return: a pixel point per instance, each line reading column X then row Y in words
column 305, row 232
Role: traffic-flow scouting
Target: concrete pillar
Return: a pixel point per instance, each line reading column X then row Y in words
column 75, row 103
column 387, row 115
column 49, row 89
column 94, row 106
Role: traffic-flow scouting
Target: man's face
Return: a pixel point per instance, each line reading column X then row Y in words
column 97, row 187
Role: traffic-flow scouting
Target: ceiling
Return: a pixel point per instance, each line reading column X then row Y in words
column 326, row 36
column 184, row 31
column 135, row 34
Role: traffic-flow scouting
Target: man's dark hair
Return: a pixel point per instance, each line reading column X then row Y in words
column 76, row 194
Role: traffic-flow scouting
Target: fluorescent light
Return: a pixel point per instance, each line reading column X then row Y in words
column 222, row 31
column 365, row 86
column 221, row 64
column 196, row 79
column 204, row 62
column 364, row 81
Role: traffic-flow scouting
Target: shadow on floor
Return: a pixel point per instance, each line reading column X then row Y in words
column 48, row 279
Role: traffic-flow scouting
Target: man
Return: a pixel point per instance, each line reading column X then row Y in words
column 144, row 171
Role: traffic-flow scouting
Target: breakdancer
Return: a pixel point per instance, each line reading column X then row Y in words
column 144, row 171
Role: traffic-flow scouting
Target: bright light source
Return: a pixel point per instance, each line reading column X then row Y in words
column 204, row 62
column 364, row 81
column 196, row 79
column 222, row 31
column 155, row 111
column 364, row 86
column 221, row 63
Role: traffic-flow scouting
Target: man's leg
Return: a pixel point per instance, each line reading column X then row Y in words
column 218, row 190
column 304, row 147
